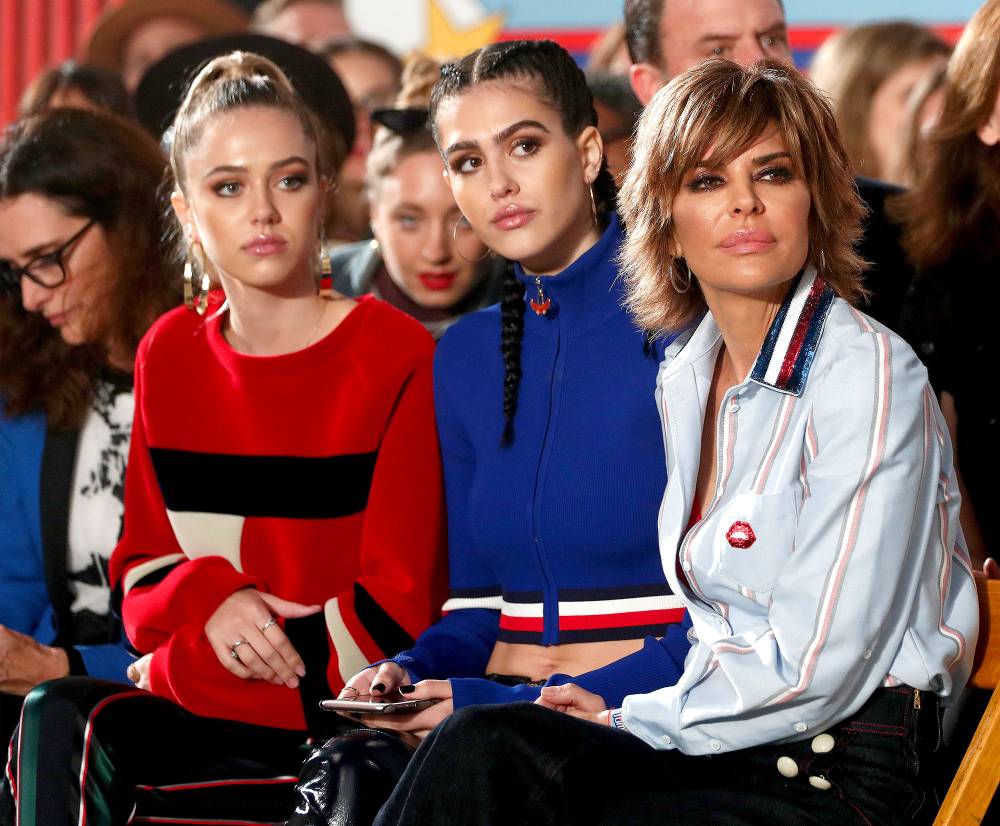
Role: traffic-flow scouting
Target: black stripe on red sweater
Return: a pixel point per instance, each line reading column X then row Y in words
column 291, row 487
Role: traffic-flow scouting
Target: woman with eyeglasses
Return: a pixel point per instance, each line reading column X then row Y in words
column 83, row 277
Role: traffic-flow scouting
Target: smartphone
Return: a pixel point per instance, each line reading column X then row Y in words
column 392, row 703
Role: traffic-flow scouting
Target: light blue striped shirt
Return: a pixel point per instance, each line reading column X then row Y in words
column 830, row 561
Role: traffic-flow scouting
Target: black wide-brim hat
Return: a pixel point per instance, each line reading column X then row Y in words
column 162, row 88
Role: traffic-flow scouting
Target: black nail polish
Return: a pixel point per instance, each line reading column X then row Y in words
column 379, row 687
column 407, row 689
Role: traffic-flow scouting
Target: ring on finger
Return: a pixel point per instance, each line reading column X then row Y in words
column 232, row 649
column 268, row 624
column 352, row 688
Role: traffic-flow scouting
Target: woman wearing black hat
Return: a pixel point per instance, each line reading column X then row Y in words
column 425, row 259
column 284, row 514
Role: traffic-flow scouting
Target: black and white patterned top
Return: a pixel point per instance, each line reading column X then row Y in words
column 97, row 507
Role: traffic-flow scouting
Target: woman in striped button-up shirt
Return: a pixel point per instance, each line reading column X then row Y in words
column 810, row 520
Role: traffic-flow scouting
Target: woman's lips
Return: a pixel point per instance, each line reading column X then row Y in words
column 747, row 241
column 59, row 319
column 437, row 280
column 266, row 245
column 513, row 217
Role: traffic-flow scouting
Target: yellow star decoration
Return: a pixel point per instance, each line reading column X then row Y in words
column 445, row 41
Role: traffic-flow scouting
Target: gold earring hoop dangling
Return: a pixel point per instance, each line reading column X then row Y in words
column 593, row 200
column 671, row 274
column 458, row 249
column 194, row 267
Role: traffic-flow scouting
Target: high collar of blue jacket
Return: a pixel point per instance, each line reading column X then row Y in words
column 789, row 347
column 584, row 294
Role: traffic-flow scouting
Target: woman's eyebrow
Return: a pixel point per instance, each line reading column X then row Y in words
column 500, row 137
column 763, row 159
column 238, row 169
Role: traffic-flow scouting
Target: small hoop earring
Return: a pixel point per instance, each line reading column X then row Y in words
column 454, row 235
column 324, row 277
column 194, row 267
column 593, row 200
column 673, row 280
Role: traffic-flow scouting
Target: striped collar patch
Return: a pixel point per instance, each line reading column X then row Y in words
column 790, row 344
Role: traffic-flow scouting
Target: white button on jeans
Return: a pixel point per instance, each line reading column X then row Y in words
column 665, row 739
column 823, row 743
column 787, row 767
column 800, row 727
column 818, row 782
column 715, row 745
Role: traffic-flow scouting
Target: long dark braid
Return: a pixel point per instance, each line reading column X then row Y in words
column 511, row 330
column 561, row 84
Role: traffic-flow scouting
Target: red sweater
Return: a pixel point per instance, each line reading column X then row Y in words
column 314, row 476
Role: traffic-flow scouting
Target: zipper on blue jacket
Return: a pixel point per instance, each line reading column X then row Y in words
column 550, row 595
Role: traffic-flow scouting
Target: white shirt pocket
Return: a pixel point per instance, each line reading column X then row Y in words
column 753, row 536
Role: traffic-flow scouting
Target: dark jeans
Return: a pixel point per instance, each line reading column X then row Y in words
column 522, row 764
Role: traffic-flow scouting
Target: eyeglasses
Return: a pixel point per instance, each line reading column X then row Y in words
column 48, row 270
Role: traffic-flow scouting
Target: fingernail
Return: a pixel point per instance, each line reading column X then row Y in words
column 293, row 682
column 379, row 687
column 300, row 670
column 407, row 689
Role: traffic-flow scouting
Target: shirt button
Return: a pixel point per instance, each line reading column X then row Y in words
column 800, row 727
column 686, row 566
column 715, row 745
column 818, row 782
column 787, row 767
column 823, row 743
column 868, row 654
column 665, row 739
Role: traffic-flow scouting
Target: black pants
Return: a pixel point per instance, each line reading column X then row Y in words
column 522, row 764
column 117, row 753
column 10, row 713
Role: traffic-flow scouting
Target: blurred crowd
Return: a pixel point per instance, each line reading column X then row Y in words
column 96, row 138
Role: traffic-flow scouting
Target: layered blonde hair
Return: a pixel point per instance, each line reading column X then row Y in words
column 721, row 108
column 955, row 200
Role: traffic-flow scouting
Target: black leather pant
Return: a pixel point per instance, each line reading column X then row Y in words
column 346, row 781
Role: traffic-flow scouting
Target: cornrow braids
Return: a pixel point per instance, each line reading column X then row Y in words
column 511, row 330
column 559, row 83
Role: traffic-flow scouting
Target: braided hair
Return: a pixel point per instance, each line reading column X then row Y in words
column 562, row 85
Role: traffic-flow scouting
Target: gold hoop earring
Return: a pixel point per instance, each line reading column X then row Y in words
column 671, row 275
column 324, row 277
column 194, row 267
column 593, row 200
column 454, row 235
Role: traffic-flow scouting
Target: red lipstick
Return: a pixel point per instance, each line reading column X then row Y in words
column 437, row 280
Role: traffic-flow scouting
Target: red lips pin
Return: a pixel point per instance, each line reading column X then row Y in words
column 741, row 535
